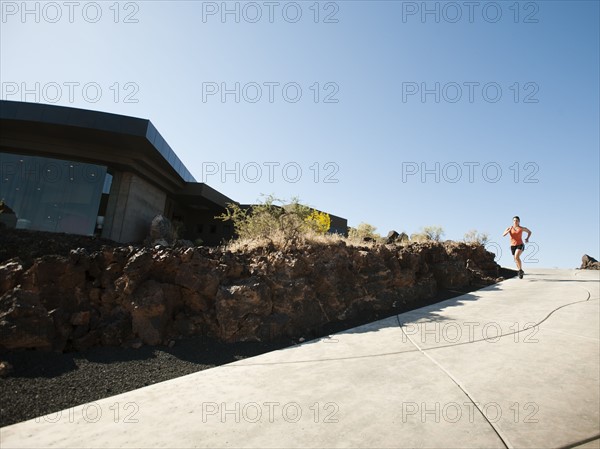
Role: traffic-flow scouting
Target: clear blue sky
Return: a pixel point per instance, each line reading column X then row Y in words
column 517, row 107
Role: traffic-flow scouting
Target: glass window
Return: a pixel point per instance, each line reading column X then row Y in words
column 107, row 183
column 51, row 194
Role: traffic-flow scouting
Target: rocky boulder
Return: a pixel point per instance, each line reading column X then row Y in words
column 132, row 296
column 394, row 237
column 161, row 230
column 24, row 321
column 589, row 263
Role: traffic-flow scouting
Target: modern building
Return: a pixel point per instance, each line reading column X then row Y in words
column 83, row 172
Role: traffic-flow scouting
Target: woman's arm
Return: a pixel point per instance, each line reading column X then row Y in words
column 506, row 231
column 528, row 234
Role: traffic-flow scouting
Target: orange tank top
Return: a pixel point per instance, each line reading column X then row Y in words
column 516, row 236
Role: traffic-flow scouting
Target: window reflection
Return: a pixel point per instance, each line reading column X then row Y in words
column 50, row 194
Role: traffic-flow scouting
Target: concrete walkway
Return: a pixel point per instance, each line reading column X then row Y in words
column 515, row 364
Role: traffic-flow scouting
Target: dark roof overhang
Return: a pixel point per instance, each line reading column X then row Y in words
column 117, row 141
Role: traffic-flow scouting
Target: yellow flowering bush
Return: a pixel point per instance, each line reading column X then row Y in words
column 318, row 221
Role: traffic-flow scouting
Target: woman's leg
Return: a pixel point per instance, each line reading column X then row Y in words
column 518, row 258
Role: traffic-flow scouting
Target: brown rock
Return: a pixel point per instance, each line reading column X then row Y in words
column 5, row 368
column 10, row 271
column 86, row 341
column 24, row 321
column 116, row 295
column 391, row 237
column 161, row 228
column 589, row 263
column 116, row 328
column 135, row 272
column 187, row 255
column 195, row 303
column 150, row 312
column 58, row 282
column 239, row 308
column 183, row 325
column 62, row 328
column 80, row 318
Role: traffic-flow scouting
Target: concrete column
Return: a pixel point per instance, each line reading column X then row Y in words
column 132, row 204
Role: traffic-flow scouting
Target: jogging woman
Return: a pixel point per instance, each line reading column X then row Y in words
column 516, row 242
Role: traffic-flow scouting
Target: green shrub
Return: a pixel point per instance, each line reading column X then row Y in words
column 473, row 236
column 362, row 231
column 275, row 222
column 428, row 234
column 434, row 233
column 419, row 237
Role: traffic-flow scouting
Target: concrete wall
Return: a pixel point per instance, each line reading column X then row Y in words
column 338, row 225
column 132, row 204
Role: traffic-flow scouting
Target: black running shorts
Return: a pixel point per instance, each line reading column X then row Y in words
column 516, row 247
